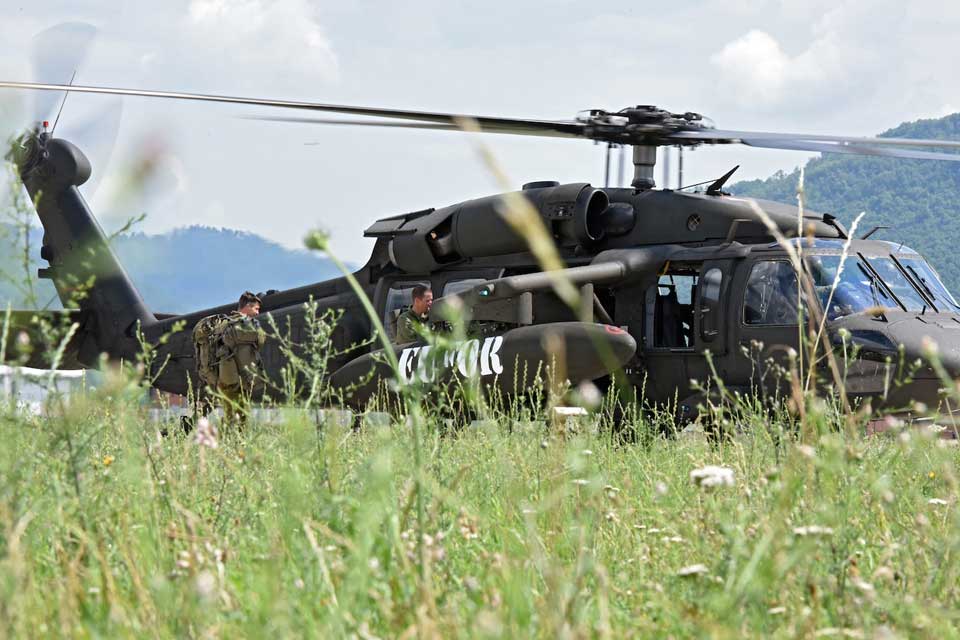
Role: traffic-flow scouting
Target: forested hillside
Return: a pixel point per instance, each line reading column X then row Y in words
column 918, row 199
column 183, row 270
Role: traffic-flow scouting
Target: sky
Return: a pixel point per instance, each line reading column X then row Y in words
column 850, row 67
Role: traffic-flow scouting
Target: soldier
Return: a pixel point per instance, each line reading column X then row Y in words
column 412, row 322
column 227, row 351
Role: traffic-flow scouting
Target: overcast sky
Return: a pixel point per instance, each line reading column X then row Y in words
column 822, row 66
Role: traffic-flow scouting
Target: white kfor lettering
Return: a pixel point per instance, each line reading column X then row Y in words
column 495, row 365
column 425, row 369
column 406, row 363
column 467, row 358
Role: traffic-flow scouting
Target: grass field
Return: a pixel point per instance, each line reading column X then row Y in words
column 109, row 530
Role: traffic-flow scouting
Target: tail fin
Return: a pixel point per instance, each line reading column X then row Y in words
column 83, row 267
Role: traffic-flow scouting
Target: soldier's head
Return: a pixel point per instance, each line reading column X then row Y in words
column 422, row 299
column 249, row 304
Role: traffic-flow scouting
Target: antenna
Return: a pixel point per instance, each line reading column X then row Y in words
column 715, row 188
column 63, row 102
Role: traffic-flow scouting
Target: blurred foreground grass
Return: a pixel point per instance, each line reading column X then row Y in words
column 107, row 529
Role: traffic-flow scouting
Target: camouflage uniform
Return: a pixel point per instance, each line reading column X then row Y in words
column 410, row 326
column 245, row 354
column 235, row 370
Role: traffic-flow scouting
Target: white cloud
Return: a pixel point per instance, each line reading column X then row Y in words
column 754, row 67
column 284, row 35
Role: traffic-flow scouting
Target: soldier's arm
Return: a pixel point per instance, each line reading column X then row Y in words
column 405, row 330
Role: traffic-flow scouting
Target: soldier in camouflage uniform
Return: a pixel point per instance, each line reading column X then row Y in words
column 227, row 351
column 413, row 321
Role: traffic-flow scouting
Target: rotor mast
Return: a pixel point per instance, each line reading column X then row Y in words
column 644, row 161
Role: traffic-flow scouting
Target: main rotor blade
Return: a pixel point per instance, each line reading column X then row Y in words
column 57, row 54
column 721, row 135
column 854, row 149
column 97, row 136
column 574, row 129
column 398, row 124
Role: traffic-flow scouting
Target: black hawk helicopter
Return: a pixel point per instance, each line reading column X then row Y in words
column 664, row 276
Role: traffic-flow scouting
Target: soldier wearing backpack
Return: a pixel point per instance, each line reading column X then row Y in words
column 227, row 352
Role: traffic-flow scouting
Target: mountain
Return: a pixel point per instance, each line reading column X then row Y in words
column 918, row 199
column 182, row 270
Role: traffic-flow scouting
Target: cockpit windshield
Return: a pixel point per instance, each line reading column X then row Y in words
column 924, row 275
column 883, row 282
column 857, row 290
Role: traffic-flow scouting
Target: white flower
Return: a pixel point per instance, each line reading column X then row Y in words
column 206, row 434
column 590, row 394
column 807, row 451
column 937, row 502
column 710, row 476
column 692, row 571
column 205, row 584
column 812, row 530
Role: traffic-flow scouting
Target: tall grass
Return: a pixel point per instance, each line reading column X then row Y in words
column 108, row 529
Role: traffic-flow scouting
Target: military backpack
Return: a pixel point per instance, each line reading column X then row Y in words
column 205, row 347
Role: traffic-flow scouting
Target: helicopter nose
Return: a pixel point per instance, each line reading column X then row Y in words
column 894, row 357
column 930, row 338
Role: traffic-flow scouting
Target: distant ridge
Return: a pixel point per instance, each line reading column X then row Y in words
column 189, row 268
column 918, row 199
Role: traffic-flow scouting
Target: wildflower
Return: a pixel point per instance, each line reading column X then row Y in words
column 318, row 240
column 807, row 451
column 589, row 394
column 775, row 611
column 937, row 502
column 581, row 482
column 813, row 531
column 107, row 460
column 863, row 585
column 23, row 340
column 586, row 453
column 692, row 571
column 928, row 347
column 611, row 491
column 661, row 489
column 299, row 583
column 611, row 516
column 206, row 434
column 468, row 526
column 884, row 573
column 931, row 475
column 710, row 477
column 205, row 584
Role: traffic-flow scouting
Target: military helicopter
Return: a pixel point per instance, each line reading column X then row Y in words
column 667, row 276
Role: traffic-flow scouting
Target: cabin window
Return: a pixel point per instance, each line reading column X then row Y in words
column 459, row 286
column 771, row 295
column 672, row 306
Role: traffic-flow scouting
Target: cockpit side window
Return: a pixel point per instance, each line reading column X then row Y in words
column 771, row 294
column 399, row 297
